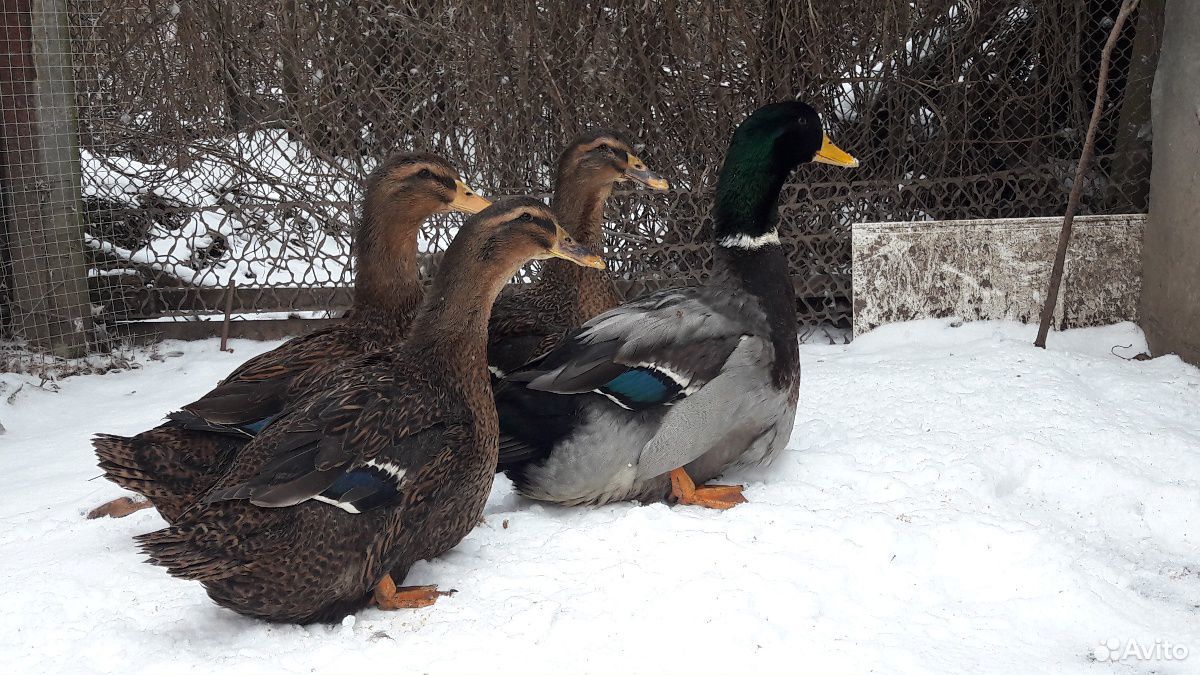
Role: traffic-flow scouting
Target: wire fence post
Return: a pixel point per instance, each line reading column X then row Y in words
column 43, row 216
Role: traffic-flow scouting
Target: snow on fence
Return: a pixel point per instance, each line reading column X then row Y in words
column 160, row 156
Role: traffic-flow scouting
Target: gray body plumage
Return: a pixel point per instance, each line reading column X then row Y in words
column 714, row 341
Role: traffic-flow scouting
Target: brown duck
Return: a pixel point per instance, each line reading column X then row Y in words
column 176, row 462
column 529, row 319
column 390, row 464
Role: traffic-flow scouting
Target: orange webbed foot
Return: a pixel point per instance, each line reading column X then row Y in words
column 684, row 491
column 388, row 597
column 118, row 508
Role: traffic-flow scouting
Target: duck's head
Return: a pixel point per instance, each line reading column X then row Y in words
column 419, row 185
column 788, row 134
column 401, row 193
column 603, row 157
column 516, row 230
column 764, row 151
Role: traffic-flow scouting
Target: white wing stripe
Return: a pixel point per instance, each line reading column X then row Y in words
column 679, row 378
column 345, row 506
column 612, row 398
column 393, row 470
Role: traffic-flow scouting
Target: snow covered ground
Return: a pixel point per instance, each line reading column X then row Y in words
column 953, row 500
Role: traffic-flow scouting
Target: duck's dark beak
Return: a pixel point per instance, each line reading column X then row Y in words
column 566, row 248
column 832, row 154
column 637, row 171
column 466, row 200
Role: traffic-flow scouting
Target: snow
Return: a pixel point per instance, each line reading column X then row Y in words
column 283, row 213
column 184, row 272
column 953, row 500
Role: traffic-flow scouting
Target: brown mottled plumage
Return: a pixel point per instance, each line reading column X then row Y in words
column 389, row 463
column 529, row 319
column 176, row 462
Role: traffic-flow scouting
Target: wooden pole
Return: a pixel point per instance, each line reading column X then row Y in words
column 40, row 156
column 229, row 291
column 1081, row 171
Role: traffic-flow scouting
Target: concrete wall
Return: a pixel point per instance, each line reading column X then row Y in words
column 1170, row 309
column 996, row 269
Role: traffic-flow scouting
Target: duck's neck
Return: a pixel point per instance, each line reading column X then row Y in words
column 450, row 331
column 746, row 210
column 579, row 206
column 749, row 255
column 387, row 290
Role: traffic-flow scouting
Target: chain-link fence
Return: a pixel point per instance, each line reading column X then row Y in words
column 223, row 142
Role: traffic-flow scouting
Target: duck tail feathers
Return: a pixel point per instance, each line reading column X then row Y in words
column 182, row 551
column 121, row 459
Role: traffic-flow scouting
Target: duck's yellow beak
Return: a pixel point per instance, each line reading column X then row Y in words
column 466, row 200
column 566, row 248
column 638, row 171
column 832, row 154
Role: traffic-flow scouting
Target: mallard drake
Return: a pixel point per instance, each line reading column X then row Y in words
column 648, row 399
column 528, row 319
column 177, row 461
column 389, row 463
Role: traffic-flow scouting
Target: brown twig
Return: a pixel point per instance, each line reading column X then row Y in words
column 1085, row 161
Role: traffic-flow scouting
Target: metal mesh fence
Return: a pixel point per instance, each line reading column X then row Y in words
column 222, row 143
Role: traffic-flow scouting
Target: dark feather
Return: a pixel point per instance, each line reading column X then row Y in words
column 533, row 422
column 187, row 419
column 642, row 387
column 176, row 463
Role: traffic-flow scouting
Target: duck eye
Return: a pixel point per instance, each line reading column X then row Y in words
column 606, row 148
column 527, row 216
column 425, row 173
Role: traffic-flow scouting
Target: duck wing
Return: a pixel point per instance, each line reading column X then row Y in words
column 650, row 352
column 646, row 355
column 247, row 400
column 357, row 446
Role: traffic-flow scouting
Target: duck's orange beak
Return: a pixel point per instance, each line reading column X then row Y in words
column 568, row 249
column 638, row 172
column 832, row 154
column 466, row 200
